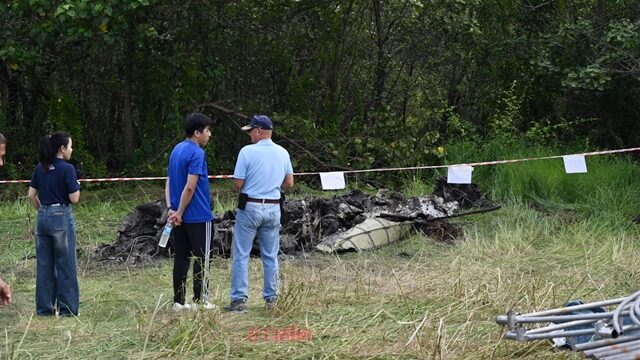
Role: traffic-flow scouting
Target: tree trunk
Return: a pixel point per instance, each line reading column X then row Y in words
column 407, row 93
column 381, row 65
column 31, row 98
column 127, row 116
column 336, row 63
column 12, row 98
column 600, row 20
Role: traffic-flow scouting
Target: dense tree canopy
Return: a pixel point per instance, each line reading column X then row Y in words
column 349, row 83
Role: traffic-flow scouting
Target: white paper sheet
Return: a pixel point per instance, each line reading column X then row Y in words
column 459, row 174
column 575, row 164
column 332, row 180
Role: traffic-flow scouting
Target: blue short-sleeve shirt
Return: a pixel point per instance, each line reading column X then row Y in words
column 187, row 158
column 55, row 184
column 263, row 167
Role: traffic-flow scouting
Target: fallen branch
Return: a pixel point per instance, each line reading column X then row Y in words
column 221, row 109
column 293, row 142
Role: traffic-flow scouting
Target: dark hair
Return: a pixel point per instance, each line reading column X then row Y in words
column 195, row 121
column 49, row 146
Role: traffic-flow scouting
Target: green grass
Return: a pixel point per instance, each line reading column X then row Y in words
column 416, row 299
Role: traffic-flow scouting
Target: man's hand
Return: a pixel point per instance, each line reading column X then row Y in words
column 174, row 218
column 5, row 293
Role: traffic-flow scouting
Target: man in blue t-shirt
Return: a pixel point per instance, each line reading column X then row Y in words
column 189, row 203
column 262, row 170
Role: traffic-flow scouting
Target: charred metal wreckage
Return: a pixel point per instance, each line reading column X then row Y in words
column 351, row 222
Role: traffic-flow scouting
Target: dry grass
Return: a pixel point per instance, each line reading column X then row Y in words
column 416, row 299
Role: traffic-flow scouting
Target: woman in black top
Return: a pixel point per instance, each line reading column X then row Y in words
column 54, row 187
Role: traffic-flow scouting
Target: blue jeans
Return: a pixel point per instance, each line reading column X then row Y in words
column 262, row 220
column 57, row 288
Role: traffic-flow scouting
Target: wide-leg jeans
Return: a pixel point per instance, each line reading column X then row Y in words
column 57, row 290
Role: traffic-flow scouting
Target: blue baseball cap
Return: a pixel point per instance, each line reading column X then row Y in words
column 259, row 121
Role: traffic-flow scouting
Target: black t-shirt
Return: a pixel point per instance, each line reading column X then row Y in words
column 55, row 184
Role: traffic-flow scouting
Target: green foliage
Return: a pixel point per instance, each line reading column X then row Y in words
column 357, row 84
column 523, row 257
column 386, row 142
column 593, row 77
column 564, row 131
column 605, row 191
column 64, row 115
column 504, row 125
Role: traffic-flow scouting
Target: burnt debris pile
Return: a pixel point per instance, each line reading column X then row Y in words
column 314, row 222
column 138, row 236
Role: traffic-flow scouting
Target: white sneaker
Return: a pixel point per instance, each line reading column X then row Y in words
column 209, row 306
column 180, row 307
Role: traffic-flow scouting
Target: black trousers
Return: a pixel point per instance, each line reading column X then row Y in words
column 191, row 240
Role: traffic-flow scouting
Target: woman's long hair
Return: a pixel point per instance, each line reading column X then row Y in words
column 49, row 146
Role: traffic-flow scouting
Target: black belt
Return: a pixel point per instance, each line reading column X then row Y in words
column 264, row 201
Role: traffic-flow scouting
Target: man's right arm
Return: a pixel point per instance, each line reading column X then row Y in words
column 238, row 184
column 167, row 196
column 288, row 182
column 288, row 178
column 239, row 172
column 166, row 193
column 185, row 199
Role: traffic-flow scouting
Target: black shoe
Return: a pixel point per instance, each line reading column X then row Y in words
column 270, row 303
column 237, row 306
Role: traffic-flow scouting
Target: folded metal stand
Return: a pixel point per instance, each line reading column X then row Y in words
column 615, row 335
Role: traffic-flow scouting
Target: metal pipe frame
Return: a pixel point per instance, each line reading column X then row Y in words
column 560, row 326
column 613, row 350
column 599, row 329
column 608, row 326
column 635, row 310
column 527, row 337
column 502, row 320
column 624, row 356
column 514, row 322
column 562, row 318
column 607, row 342
column 617, row 324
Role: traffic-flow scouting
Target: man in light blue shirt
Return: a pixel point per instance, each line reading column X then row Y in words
column 262, row 170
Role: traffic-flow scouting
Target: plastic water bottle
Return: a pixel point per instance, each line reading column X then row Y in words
column 165, row 235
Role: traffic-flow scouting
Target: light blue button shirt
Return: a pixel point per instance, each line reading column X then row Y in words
column 263, row 167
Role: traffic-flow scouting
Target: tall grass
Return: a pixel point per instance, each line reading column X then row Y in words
column 558, row 237
column 607, row 189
